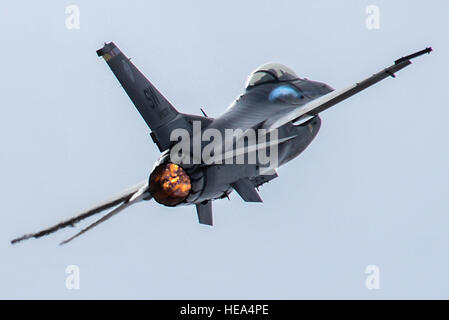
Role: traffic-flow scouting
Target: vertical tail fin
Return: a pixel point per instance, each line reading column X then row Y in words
column 152, row 105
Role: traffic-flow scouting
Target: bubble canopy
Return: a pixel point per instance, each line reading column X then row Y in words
column 270, row 72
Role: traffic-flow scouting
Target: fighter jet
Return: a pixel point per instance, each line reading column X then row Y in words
column 276, row 103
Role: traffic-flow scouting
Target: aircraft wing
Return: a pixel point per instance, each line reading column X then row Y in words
column 122, row 199
column 324, row 102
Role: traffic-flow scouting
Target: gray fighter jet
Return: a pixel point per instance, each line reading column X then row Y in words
column 275, row 100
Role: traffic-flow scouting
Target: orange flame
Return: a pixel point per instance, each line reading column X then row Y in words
column 170, row 184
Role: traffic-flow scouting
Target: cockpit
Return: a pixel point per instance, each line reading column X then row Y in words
column 271, row 72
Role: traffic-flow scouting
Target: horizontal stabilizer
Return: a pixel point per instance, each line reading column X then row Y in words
column 245, row 188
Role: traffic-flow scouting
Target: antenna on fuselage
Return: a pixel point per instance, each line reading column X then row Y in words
column 204, row 113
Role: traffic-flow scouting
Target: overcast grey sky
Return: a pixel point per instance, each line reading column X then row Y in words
column 372, row 189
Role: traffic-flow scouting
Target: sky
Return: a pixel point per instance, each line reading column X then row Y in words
column 371, row 189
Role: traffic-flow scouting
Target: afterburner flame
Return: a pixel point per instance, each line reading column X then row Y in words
column 169, row 184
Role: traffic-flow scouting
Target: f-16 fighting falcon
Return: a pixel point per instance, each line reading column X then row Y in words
column 204, row 159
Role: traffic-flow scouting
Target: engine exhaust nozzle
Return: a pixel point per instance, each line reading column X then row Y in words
column 169, row 184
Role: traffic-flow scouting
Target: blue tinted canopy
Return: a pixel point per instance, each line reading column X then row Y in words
column 284, row 93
